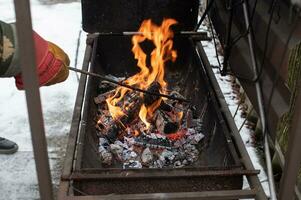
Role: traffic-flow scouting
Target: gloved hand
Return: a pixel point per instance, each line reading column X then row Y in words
column 51, row 60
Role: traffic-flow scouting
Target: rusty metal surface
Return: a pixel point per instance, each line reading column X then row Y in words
column 88, row 173
column 68, row 163
column 112, row 60
column 158, row 185
column 155, row 173
column 206, row 195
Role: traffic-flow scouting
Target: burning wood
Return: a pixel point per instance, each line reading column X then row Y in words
column 143, row 130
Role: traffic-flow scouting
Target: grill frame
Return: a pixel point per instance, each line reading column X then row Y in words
column 89, row 178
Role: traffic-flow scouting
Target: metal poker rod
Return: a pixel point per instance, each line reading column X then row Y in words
column 126, row 86
column 201, row 35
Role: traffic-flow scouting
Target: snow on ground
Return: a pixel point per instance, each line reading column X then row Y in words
column 232, row 101
column 59, row 23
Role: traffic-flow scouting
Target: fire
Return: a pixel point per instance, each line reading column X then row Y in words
column 178, row 135
column 162, row 38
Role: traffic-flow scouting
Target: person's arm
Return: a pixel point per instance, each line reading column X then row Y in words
column 51, row 60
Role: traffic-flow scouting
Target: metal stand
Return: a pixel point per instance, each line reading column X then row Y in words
column 253, row 181
column 260, row 106
column 29, row 74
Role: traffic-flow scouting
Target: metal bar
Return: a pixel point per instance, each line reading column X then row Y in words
column 228, row 40
column 292, row 157
column 35, row 115
column 260, row 106
column 68, row 163
column 204, row 15
column 78, row 176
column 212, row 195
column 127, row 86
column 83, row 121
column 245, row 158
column 245, row 120
column 131, row 33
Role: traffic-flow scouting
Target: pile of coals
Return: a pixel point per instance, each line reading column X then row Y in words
column 171, row 136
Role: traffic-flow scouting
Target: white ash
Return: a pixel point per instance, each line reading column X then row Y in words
column 117, row 151
column 132, row 164
column 172, row 140
column 178, row 164
column 193, row 137
column 104, row 151
column 147, row 157
column 183, row 151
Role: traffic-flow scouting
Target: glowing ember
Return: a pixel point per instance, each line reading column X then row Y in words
column 178, row 135
column 161, row 36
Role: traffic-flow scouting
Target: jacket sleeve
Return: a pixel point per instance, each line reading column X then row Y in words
column 9, row 54
column 51, row 61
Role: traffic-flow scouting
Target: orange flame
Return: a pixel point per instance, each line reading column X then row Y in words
column 162, row 37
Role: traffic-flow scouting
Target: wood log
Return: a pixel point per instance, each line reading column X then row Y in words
column 101, row 98
column 105, row 86
column 150, row 99
column 164, row 123
column 112, row 130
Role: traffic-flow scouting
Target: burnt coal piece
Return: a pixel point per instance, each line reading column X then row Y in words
column 150, row 99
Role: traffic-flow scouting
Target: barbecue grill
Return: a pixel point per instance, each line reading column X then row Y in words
column 218, row 172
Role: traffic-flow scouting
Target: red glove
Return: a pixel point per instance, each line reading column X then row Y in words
column 52, row 63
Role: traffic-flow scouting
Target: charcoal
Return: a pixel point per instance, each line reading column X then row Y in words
column 167, row 157
column 165, row 107
column 118, row 125
column 105, row 86
column 178, row 164
column 164, row 124
column 170, row 141
column 122, row 144
column 101, row 98
column 112, row 133
column 150, row 99
column 195, row 139
column 129, row 141
column 117, row 150
column 129, row 155
column 176, row 94
column 158, row 164
column 104, row 142
column 146, row 157
column 171, row 127
column 104, row 152
column 185, row 162
column 132, row 164
column 156, row 143
column 179, row 143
